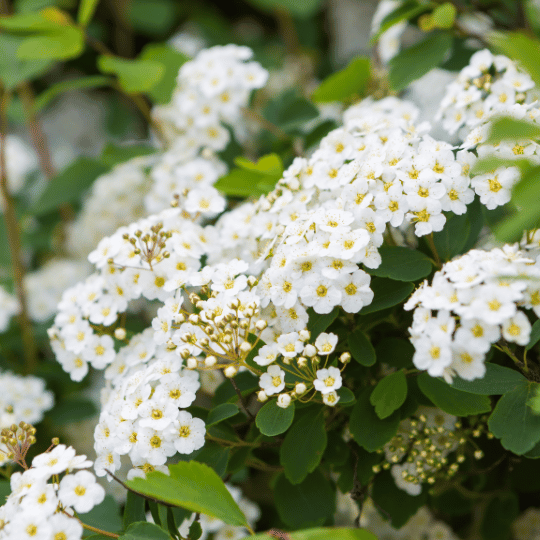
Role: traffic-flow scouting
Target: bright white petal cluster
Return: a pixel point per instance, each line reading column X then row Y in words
column 471, row 303
column 9, row 306
column 39, row 508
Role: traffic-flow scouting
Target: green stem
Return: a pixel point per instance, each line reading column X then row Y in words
column 431, row 244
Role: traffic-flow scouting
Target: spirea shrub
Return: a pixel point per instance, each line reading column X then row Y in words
column 309, row 315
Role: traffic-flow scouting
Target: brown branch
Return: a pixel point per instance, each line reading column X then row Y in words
column 14, row 239
column 241, row 399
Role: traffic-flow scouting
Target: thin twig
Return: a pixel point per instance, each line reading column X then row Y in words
column 241, row 398
column 14, row 239
column 93, row 529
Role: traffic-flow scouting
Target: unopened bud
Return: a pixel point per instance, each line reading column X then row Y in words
column 261, row 396
column 210, row 361
column 310, row 351
column 245, row 347
column 300, row 388
column 194, row 319
column 55, row 441
column 120, row 333
column 192, row 363
column 304, row 335
column 283, row 401
column 345, row 358
column 230, row 371
column 261, row 325
column 252, row 281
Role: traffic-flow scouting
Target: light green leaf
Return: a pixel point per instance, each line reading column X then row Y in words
column 221, row 412
column 306, row 504
column 60, row 44
column 514, row 422
column 46, row 20
column 491, row 163
column 319, row 533
column 535, row 335
column 271, row 165
column 387, row 293
column 92, row 81
column 303, row 446
column 389, row 394
column 302, row 9
column 114, row 154
column 144, row 531
column 367, row 429
column 69, row 185
column 244, row 183
column 193, row 486
column 443, row 16
column 273, row 420
column 361, row 348
column 402, row 264
column 87, row 9
column 346, row 83
column 498, row 380
column 133, row 75
column 505, row 128
column 416, row 61
column 451, row 400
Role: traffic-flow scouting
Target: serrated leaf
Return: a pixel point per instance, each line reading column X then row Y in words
column 497, row 381
column 389, row 394
column 402, row 264
column 273, row 420
column 387, row 293
column 193, row 486
column 144, row 531
column 346, row 83
column 303, row 446
column 221, row 412
column 133, row 75
column 451, row 400
column 367, row 429
column 361, row 348
column 416, row 61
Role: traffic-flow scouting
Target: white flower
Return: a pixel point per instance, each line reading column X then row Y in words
column 80, row 491
column 328, row 380
column 267, row 355
column 273, row 381
column 65, row 528
column 326, row 343
column 289, row 345
column 320, row 293
column 517, row 329
column 189, row 433
column 331, row 398
column 54, row 462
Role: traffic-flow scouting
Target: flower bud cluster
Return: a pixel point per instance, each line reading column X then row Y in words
column 43, row 505
column 473, row 302
column 16, row 441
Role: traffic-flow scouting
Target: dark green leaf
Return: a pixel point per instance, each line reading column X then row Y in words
column 367, row 429
column 395, row 352
column 388, row 293
column 346, row 83
column 451, row 400
column 334, row 533
column 302, row 505
column 144, row 531
column 195, row 531
column 114, row 154
column 497, row 381
column 302, row 9
column 105, row 515
column 290, row 111
column 395, row 502
column 402, row 264
column 152, row 17
column 69, row 185
column 451, row 240
column 500, row 513
column 319, row 322
column 215, row 456
column 303, row 446
column 134, row 509
column 416, row 61
column 535, row 335
column 361, row 348
column 73, row 409
column 346, row 396
column 133, row 75
column 389, row 394
column 221, row 412
column 273, row 420
column 193, row 486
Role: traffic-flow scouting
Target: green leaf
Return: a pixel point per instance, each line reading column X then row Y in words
column 270, row 164
column 193, row 486
column 302, row 9
column 387, row 293
column 113, row 154
column 273, row 420
column 152, row 17
column 290, row 111
column 309, row 503
column 405, row 12
column 519, row 47
column 395, row 352
column 215, row 456
column 161, row 93
column 498, row 380
column 221, row 412
column 451, row 400
column 498, row 517
column 46, row 20
column 416, row 61
column 346, row 83
column 303, row 446
column 389, row 394
column 394, row 502
column 72, row 409
column 452, row 239
column 319, row 322
column 535, row 335
column 245, row 183
column 13, row 70
column 367, row 429
column 195, row 531
column 69, row 185
column 443, row 16
column 93, row 81
column 319, row 533
column 346, row 396
column 505, row 128
column 61, row 44
column 144, row 531
column 134, row 509
column 361, row 348
column 402, row 264
column 86, row 11
column 133, row 75
column 105, row 515
column 511, row 228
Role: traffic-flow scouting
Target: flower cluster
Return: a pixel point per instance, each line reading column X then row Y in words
column 489, row 85
column 473, row 302
column 527, row 525
column 9, row 306
column 428, row 446
column 40, row 508
column 220, row 530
